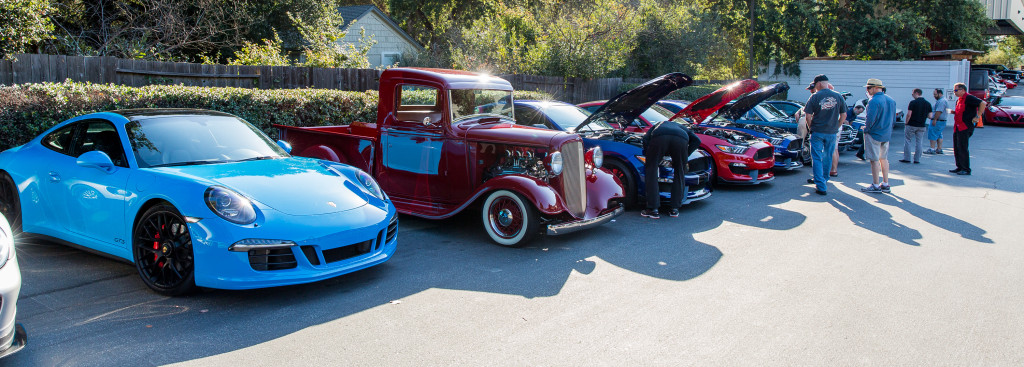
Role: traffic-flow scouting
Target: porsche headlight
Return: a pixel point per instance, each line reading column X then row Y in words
column 734, row 149
column 6, row 241
column 555, row 163
column 230, row 205
column 370, row 185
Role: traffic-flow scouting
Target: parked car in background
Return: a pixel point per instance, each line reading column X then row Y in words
column 12, row 334
column 1005, row 111
column 739, row 158
column 672, row 105
column 787, row 146
column 447, row 140
column 623, row 151
column 196, row 198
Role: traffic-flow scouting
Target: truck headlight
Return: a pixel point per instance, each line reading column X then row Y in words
column 595, row 156
column 230, row 205
column 555, row 163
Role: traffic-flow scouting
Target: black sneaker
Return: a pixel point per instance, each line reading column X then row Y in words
column 810, row 180
column 673, row 213
column 964, row 173
column 650, row 213
column 820, row 192
column 904, row 161
column 956, row 170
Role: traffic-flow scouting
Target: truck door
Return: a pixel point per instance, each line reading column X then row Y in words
column 413, row 143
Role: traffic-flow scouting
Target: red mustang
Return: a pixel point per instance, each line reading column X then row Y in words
column 740, row 158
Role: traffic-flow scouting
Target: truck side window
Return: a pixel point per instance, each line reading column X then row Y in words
column 418, row 105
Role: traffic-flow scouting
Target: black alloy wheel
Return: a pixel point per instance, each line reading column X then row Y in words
column 629, row 191
column 10, row 204
column 162, row 248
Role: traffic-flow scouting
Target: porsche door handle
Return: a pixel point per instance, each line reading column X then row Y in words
column 54, row 177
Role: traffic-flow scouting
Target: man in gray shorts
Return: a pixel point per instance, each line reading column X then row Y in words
column 877, row 133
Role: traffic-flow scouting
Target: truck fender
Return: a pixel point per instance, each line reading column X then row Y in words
column 321, row 152
column 543, row 196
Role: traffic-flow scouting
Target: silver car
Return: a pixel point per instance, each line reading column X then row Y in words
column 12, row 335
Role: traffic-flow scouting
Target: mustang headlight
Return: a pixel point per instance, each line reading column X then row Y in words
column 370, row 185
column 555, row 163
column 230, row 205
column 734, row 149
column 6, row 241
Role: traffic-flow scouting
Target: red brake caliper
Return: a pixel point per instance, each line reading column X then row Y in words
column 156, row 246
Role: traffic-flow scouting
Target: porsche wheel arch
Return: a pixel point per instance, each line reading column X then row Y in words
column 145, row 206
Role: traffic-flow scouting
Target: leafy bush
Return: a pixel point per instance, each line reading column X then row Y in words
column 686, row 94
column 27, row 110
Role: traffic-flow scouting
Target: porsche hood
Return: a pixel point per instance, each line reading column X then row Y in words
column 747, row 101
column 711, row 102
column 627, row 106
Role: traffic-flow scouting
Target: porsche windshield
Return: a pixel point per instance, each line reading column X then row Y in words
column 469, row 103
column 182, row 140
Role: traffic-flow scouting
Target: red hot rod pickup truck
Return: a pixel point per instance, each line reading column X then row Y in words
column 446, row 140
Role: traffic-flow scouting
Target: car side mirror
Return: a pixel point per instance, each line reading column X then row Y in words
column 98, row 160
column 284, row 145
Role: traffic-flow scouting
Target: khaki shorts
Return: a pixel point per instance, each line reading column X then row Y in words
column 875, row 150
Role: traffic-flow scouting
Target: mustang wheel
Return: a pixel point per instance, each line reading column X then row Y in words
column 805, row 152
column 162, row 248
column 629, row 191
column 508, row 219
column 10, row 205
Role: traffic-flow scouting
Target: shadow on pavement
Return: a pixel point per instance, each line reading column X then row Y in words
column 82, row 309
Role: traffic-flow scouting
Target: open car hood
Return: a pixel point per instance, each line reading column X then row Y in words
column 627, row 106
column 711, row 102
column 747, row 101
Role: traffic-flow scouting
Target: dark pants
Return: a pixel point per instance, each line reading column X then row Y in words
column 963, row 158
column 676, row 147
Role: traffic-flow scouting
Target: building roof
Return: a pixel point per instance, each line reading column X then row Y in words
column 352, row 13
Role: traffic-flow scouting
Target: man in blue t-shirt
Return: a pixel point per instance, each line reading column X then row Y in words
column 877, row 133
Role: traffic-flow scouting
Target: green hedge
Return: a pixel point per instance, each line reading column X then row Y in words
column 27, row 110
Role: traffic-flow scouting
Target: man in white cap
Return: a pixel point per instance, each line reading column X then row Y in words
column 877, row 133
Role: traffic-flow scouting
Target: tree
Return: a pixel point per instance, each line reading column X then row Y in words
column 23, row 23
column 1007, row 50
column 678, row 37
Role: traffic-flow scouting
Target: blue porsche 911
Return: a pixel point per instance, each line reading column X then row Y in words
column 196, row 198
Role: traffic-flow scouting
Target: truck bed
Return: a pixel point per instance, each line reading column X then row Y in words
column 353, row 144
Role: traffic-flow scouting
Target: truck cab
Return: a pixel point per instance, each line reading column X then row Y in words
column 446, row 140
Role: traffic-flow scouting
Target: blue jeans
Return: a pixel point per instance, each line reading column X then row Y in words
column 822, row 146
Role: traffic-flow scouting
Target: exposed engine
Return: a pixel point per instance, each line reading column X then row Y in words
column 519, row 160
column 733, row 137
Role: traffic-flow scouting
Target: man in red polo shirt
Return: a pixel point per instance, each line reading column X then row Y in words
column 966, row 115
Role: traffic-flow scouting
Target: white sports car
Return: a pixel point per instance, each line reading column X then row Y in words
column 12, row 336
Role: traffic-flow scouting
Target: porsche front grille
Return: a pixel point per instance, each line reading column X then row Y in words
column 574, row 186
column 272, row 259
column 392, row 229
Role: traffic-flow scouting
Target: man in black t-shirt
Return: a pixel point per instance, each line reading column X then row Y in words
column 913, row 132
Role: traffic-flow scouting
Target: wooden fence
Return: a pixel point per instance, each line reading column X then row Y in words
column 36, row 68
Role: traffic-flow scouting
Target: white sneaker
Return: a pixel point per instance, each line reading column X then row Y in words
column 929, row 151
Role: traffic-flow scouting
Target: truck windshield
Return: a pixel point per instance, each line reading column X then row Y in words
column 184, row 140
column 469, row 103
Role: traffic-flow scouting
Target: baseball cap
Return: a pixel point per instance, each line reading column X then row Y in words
column 820, row 78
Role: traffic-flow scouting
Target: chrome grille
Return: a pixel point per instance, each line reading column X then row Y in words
column 777, row 141
column 574, row 187
column 847, row 134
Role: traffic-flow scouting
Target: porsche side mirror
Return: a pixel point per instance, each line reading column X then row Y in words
column 284, row 145
column 98, row 160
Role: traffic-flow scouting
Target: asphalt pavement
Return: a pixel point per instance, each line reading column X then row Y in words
column 763, row 275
